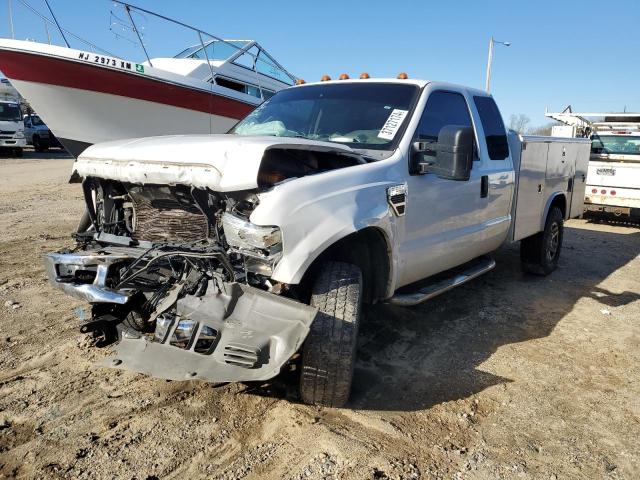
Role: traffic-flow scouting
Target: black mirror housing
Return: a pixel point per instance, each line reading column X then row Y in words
column 454, row 153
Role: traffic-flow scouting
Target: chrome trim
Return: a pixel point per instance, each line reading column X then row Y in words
column 96, row 292
column 433, row 290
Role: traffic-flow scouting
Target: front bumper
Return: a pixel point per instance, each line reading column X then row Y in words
column 13, row 142
column 65, row 271
column 232, row 333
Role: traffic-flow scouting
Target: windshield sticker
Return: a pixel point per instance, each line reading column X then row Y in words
column 391, row 126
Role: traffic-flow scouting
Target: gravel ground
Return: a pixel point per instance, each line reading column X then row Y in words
column 510, row 376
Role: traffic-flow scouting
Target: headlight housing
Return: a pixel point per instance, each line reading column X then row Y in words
column 261, row 246
column 19, row 134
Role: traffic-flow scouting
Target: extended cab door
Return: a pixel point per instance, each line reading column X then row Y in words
column 450, row 222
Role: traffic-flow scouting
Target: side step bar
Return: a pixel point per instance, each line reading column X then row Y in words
column 483, row 265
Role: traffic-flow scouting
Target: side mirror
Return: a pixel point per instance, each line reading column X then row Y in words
column 454, row 153
column 450, row 158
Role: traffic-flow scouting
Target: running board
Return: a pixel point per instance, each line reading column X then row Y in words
column 483, row 265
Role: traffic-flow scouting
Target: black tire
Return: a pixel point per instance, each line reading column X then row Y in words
column 540, row 253
column 37, row 146
column 329, row 352
column 85, row 222
column 18, row 152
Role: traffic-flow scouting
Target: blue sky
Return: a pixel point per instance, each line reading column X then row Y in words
column 582, row 53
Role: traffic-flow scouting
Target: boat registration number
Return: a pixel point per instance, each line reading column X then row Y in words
column 111, row 62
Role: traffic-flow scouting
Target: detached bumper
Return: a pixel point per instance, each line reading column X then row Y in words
column 229, row 334
column 243, row 334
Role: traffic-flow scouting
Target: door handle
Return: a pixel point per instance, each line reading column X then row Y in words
column 484, row 186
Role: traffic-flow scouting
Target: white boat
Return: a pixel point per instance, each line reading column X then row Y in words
column 87, row 97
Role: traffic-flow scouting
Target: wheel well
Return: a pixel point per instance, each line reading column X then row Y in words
column 561, row 202
column 369, row 250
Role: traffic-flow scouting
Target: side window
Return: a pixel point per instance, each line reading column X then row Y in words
column 494, row 131
column 442, row 109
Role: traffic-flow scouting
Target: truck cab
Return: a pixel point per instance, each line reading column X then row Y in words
column 11, row 128
column 38, row 134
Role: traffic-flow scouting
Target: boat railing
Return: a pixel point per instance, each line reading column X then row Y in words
column 201, row 34
column 48, row 22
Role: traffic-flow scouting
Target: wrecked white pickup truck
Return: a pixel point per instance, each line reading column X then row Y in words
column 218, row 257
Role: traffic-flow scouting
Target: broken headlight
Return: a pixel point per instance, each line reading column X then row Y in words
column 261, row 246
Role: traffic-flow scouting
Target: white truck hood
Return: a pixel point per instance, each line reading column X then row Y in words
column 10, row 126
column 222, row 163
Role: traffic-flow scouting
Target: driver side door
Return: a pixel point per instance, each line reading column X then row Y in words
column 443, row 221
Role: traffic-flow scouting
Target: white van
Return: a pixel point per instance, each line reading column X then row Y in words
column 11, row 128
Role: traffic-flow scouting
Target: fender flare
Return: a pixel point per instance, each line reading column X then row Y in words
column 547, row 207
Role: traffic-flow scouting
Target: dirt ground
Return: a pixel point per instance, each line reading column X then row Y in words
column 511, row 376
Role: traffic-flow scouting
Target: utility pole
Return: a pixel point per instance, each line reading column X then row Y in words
column 490, row 61
column 13, row 33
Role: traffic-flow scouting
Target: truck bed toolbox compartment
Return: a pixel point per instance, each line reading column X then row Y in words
column 546, row 167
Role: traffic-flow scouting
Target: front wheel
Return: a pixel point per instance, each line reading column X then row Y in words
column 39, row 145
column 540, row 253
column 330, row 349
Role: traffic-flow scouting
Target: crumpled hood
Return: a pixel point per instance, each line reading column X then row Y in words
column 220, row 162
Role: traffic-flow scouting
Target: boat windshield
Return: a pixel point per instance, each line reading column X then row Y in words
column 10, row 112
column 216, row 50
column 253, row 58
column 367, row 116
column 615, row 144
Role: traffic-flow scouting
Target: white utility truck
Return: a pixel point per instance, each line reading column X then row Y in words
column 218, row 257
column 613, row 179
column 12, row 137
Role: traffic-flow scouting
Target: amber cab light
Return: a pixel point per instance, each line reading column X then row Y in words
column 364, row 75
column 300, row 81
column 325, row 78
column 344, row 76
column 403, row 76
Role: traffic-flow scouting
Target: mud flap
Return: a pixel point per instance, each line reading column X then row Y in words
column 239, row 333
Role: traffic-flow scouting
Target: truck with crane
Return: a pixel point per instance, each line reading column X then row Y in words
column 613, row 178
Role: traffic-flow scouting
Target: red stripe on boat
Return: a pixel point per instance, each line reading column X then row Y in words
column 31, row 67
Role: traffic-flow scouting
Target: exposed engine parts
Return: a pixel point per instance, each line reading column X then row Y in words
column 143, row 250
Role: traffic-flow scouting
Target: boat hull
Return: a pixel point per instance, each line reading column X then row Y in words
column 79, row 118
column 85, row 103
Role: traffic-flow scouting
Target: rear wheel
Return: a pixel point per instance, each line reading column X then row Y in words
column 330, row 349
column 540, row 253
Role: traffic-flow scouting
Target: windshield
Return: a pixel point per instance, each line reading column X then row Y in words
column 615, row 144
column 216, row 50
column 360, row 115
column 10, row 112
column 36, row 121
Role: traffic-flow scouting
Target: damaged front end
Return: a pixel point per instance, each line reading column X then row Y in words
column 180, row 277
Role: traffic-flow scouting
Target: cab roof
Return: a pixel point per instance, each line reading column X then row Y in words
column 412, row 81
